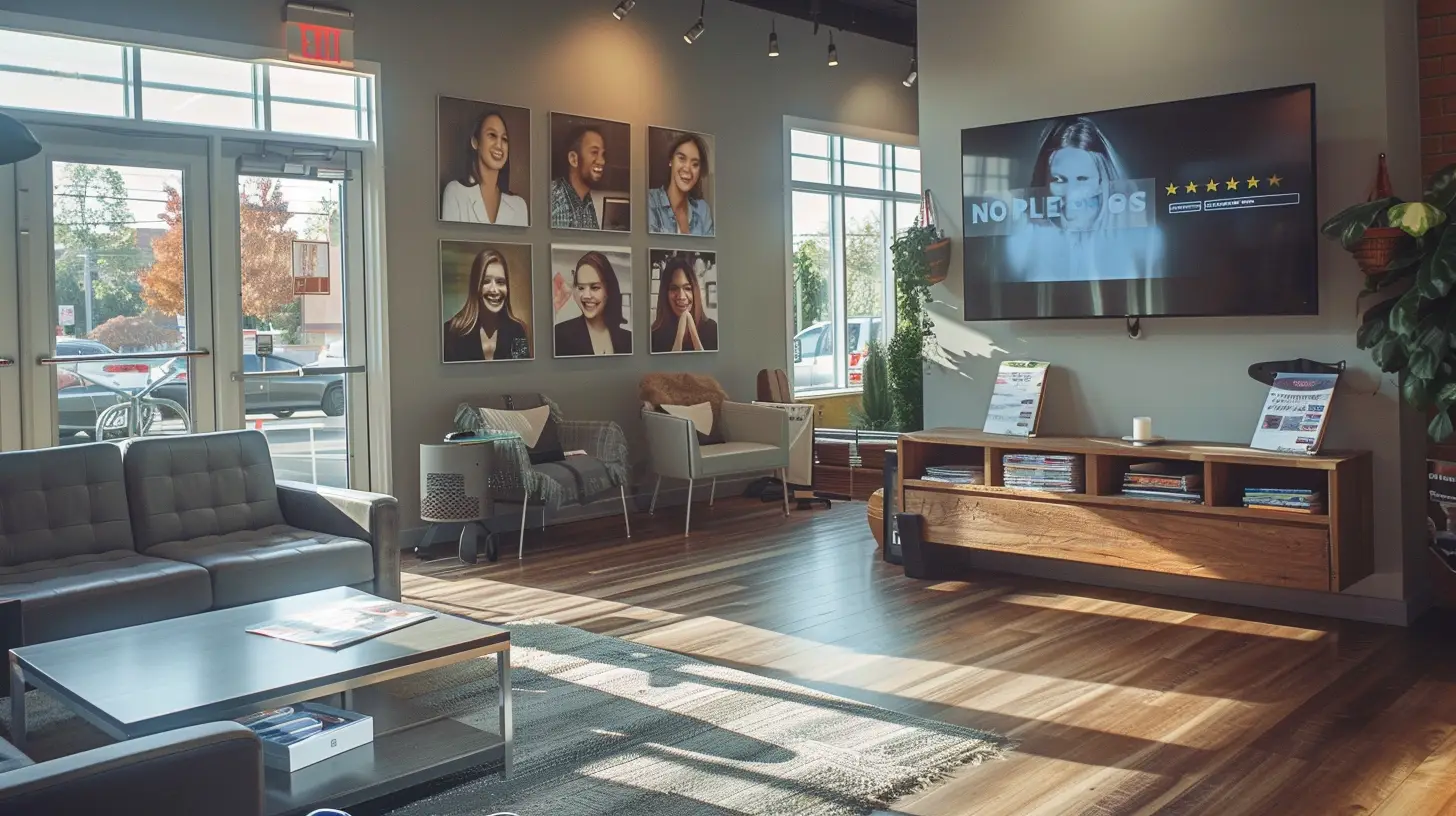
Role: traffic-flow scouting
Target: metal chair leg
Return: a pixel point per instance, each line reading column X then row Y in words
column 784, row 477
column 652, row 511
column 626, row 519
column 713, row 491
column 543, row 517
column 521, row 547
column 688, row 524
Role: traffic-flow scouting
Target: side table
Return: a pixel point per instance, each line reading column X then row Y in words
column 455, row 489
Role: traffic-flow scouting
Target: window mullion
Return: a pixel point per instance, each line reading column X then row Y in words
column 267, row 101
column 135, row 56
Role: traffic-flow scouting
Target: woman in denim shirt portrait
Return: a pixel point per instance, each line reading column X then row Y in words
column 678, row 207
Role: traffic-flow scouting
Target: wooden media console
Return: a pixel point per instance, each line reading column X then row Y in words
column 1218, row 539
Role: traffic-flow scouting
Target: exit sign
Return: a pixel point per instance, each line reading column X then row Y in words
column 319, row 35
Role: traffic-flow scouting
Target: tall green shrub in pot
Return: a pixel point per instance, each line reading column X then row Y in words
column 912, row 324
column 1411, row 328
column 876, row 409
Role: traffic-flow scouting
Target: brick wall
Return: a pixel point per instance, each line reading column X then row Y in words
column 1437, row 21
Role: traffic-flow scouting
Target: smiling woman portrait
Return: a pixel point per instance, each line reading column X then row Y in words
column 485, row 300
column 685, row 313
column 484, row 163
column 680, row 183
column 590, row 293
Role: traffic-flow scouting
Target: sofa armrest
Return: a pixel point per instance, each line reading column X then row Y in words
column 672, row 445
column 371, row 517
column 12, row 636
column 763, row 424
column 215, row 769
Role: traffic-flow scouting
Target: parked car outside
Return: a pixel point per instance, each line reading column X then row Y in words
column 279, row 396
column 128, row 375
column 814, row 352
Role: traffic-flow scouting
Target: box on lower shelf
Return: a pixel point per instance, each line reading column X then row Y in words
column 356, row 731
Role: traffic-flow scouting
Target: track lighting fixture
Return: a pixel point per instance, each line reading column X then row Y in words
column 773, row 40
column 624, row 8
column 913, row 75
column 692, row 34
column 833, row 52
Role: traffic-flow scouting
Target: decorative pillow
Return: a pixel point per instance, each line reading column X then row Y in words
column 705, row 419
column 535, row 425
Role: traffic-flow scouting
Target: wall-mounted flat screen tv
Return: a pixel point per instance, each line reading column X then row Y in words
column 1199, row 207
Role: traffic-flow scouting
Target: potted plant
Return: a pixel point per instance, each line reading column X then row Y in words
column 1411, row 328
column 937, row 250
column 1366, row 230
column 912, row 323
column 876, row 411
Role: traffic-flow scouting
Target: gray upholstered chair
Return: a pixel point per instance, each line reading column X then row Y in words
column 576, row 480
column 756, row 437
column 211, row 500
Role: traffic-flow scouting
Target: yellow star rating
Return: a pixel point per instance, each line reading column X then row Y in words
column 1172, row 189
column 1232, row 184
column 1192, row 187
column 1212, row 186
column 1274, row 180
column 1252, row 183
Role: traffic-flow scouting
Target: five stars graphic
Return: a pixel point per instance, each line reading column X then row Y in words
column 1212, row 186
column 1172, row 189
column 1253, row 182
column 1232, row 184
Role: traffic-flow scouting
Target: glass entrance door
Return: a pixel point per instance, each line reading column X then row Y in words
column 300, row 364
column 114, row 259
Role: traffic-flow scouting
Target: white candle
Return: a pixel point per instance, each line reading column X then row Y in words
column 1142, row 428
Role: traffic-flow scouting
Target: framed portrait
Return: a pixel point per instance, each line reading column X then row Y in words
column 485, row 302
column 680, row 179
column 591, row 300
column 591, row 174
column 483, row 162
column 684, row 318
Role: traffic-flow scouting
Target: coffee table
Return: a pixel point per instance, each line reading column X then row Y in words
column 204, row 668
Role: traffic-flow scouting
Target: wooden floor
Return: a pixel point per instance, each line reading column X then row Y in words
column 1123, row 702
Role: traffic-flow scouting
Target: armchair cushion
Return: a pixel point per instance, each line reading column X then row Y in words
column 740, row 457
column 536, row 426
column 705, row 416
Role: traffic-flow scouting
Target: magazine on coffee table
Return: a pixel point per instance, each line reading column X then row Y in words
column 344, row 623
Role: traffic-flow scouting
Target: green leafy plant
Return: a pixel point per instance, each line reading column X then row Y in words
column 912, row 324
column 1410, row 329
column 876, row 410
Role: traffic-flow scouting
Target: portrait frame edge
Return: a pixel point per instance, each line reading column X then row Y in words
column 631, row 252
column 440, row 191
column 440, row 286
column 550, row 180
column 652, row 301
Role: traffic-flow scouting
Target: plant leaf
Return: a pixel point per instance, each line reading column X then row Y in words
column 1416, row 218
column 1423, row 363
column 1349, row 225
column 1389, row 354
column 1441, row 427
column 1446, row 397
column 1441, row 193
column 1438, row 271
column 1417, row 391
column 1402, row 318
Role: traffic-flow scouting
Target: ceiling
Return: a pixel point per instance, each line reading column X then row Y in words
column 889, row 20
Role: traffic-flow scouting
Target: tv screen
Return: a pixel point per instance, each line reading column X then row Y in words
column 1199, row 207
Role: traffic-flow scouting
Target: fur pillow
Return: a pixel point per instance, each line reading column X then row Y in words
column 657, row 390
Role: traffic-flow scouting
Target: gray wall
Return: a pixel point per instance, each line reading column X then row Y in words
column 571, row 56
column 985, row 62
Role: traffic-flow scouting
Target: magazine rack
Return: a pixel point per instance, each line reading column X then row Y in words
column 1217, row 539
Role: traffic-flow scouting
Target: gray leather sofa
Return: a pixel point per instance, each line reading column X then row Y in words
column 216, row 769
column 97, row 537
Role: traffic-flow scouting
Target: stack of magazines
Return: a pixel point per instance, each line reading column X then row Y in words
column 1162, row 481
column 956, row 474
column 1052, row 473
column 1290, row 500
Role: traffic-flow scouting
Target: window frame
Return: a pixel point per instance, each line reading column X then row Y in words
column 837, row 191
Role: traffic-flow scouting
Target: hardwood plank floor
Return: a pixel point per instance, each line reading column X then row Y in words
column 1123, row 702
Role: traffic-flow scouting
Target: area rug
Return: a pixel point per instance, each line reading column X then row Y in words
column 605, row 726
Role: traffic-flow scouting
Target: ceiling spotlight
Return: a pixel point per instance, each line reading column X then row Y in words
column 692, row 34
column 624, row 8
column 913, row 75
column 833, row 52
column 773, row 41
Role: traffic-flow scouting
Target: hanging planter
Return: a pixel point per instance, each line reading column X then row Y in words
column 937, row 252
column 1367, row 230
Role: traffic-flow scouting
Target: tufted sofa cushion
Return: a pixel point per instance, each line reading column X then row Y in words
column 62, row 502
column 189, row 487
column 248, row 566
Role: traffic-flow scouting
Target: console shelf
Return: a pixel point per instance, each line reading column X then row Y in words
column 1218, row 539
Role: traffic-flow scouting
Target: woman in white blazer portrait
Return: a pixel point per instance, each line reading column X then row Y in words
column 483, row 194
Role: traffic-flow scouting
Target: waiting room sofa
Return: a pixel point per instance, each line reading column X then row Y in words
column 98, row 537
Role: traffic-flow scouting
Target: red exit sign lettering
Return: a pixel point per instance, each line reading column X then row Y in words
column 320, row 43
column 311, row 38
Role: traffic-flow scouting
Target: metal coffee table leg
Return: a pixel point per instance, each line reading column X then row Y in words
column 17, row 706
column 503, row 666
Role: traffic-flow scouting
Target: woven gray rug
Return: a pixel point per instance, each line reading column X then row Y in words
column 605, row 726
